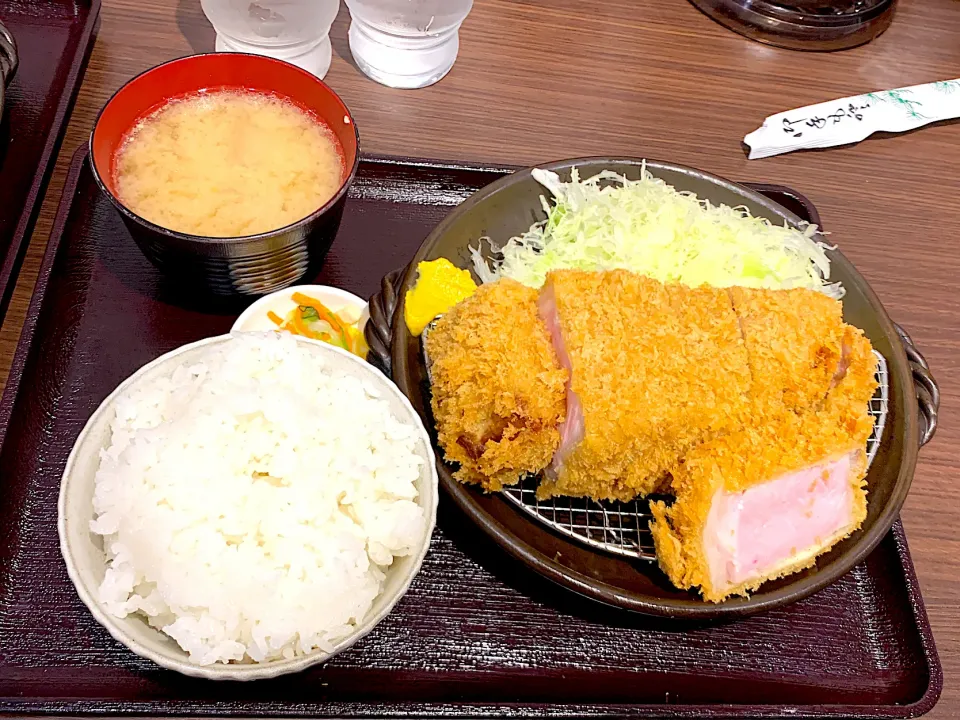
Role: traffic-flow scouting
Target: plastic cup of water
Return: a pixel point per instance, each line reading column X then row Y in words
column 297, row 31
column 406, row 43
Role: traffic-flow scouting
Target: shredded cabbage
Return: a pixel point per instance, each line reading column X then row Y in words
column 650, row 228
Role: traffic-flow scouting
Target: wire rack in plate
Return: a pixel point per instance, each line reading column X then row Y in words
column 623, row 528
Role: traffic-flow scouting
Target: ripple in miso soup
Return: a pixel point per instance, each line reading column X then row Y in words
column 228, row 163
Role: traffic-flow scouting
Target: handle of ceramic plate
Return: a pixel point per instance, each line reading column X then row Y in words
column 9, row 58
column 379, row 329
column 8, row 62
column 928, row 392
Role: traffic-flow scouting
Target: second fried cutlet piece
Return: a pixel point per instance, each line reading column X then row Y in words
column 794, row 340
column 654, row 368
column 766, row 501
column 498, row 389
column 855, row 379
column 763, row 502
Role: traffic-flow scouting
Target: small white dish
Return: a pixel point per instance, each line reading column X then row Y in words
column 86, row 562
column 254, row 318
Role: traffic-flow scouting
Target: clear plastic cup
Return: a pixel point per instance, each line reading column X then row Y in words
column 297, row 31
column 406, row 43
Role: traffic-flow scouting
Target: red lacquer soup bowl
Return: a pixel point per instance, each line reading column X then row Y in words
column 249, row 265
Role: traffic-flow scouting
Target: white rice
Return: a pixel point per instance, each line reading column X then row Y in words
column 251, row 503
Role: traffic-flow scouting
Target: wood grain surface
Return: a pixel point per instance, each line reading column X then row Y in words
column 541, row 80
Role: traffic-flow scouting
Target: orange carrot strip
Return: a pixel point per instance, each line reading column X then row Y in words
column 332, row 320
column 341, row 327
column 276, row 319
column 301, row 299
column 322, row 310
column 301, row 329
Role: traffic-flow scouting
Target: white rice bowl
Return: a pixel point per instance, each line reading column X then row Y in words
column 251, row 496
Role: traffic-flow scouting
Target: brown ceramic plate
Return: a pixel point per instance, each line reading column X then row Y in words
column 510, row 205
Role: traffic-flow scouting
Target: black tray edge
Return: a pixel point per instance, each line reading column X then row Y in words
column 25, row 343
column 934, row 669
column 22, row 233
column 715, row 712
column 429, row 164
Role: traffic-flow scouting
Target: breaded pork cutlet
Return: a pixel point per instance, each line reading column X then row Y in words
column 498, row 389
column 654, row 368
column 794, row 341
column 855, row 380
column 767, row 500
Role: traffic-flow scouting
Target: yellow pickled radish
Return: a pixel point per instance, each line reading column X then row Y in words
column 439, row 287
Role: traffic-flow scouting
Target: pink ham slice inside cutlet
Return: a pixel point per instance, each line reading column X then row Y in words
column 754, row 533
column 572, row 428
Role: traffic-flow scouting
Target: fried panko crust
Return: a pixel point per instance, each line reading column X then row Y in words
column 695, row 390
column 794, row 344
column 789, row 442
column 498, row 389
column 856, row 379
column 812, row 380
column 657, row 368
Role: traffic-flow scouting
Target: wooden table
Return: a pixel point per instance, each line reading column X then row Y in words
column 542, row 80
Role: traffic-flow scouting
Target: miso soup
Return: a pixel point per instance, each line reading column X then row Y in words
column 228, row 163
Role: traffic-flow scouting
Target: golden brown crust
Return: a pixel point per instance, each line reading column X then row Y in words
column 498, row 390
column 794, row 342
column 810, row 396
column 850, row 394
column 657, row 369
column 740, row 460
column 665, row 373
column 716, row 389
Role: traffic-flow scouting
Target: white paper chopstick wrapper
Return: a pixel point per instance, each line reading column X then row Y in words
column 851, row 119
